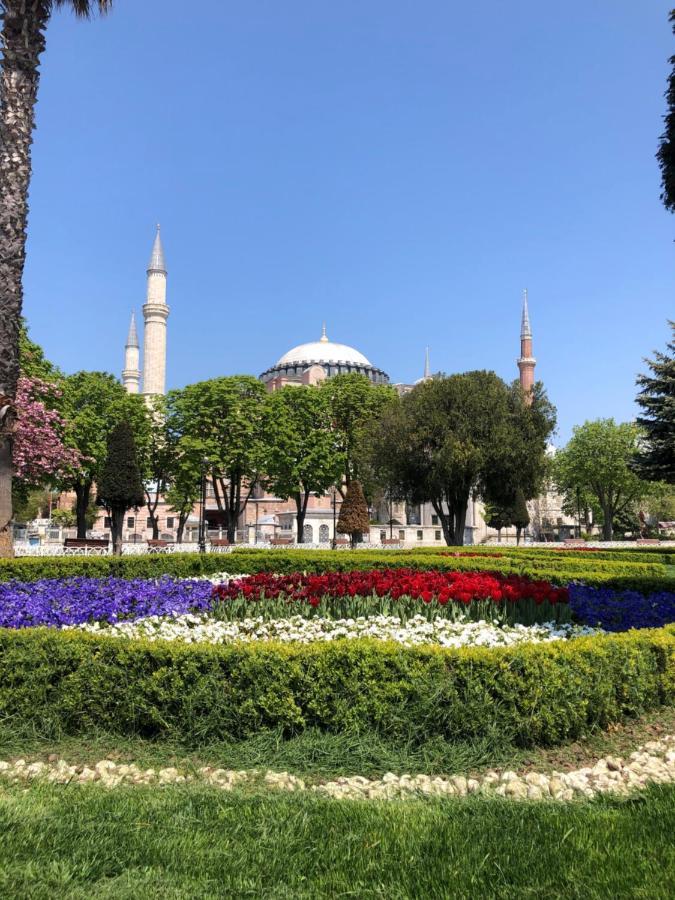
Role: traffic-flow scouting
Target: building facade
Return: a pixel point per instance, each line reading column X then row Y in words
column 267, row 516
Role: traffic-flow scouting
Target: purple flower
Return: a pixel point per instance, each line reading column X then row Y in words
column 620, row 610
column 73, row 601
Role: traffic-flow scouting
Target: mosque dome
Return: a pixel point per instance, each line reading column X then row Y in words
column 332, row 357
column 323, row 351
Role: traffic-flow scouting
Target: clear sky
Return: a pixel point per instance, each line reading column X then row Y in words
column 401, row 169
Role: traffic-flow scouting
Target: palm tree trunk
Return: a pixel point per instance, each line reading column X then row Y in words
column 23, row 40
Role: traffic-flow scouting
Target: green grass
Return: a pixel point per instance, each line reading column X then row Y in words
column 185, row 843
column 317, row 755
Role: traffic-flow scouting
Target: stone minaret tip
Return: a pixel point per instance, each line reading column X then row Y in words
column 525, row 329
column 427, row 365
column 157, row 263
column 132, row 337
column 324, row 338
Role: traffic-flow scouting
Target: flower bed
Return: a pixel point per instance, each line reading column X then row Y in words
column 72, row 601
column 416, row 631
column 621, row 610
column 401, row 592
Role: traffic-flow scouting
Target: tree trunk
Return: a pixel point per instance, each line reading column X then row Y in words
column 182, row 520
column 459, row 521
column 23, row 41
column 6, row 536
column 444, row 520
column 607, row 527
column 117, row 517
column 300, row 514
column 83, row 495
column 519, row 529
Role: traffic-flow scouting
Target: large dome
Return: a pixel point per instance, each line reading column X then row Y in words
column 323, row 351
column 311, row 362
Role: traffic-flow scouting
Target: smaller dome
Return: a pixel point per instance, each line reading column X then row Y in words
column 323, row 351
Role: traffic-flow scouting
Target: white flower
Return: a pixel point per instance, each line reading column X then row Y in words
column 192, row 628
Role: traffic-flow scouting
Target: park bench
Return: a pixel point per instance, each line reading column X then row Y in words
column 281, row 541
column 391, row 542
column 219, row 544
column 574, row 542
column 85, row 546
column 651, row 541
column 158, row 546
column 341, row 542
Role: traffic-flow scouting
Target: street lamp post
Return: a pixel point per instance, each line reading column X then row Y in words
column 334, row 518
column 391, row 518
column 202, row 508
column 578, row 513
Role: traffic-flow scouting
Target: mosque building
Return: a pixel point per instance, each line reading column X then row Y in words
column 305, row 364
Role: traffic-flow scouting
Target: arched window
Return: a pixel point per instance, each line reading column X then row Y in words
column 324, row 534
column 308, row 534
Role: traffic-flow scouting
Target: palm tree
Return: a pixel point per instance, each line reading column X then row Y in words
column 23, row 40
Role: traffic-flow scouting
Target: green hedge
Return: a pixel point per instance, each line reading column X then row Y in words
column 645, row 577
column 72, row 683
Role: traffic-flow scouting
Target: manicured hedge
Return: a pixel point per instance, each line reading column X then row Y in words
column 644, row 577
column 71, row 683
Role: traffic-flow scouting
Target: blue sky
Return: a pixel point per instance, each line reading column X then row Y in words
column 399, row 169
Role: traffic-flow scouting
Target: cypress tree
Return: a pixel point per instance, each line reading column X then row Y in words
column 120, row 487
column 354, row 519
column 520, row 517
column 656, row 457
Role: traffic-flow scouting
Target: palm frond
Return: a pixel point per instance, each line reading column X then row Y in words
column 85, row 8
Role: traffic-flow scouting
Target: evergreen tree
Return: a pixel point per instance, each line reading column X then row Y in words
column 354, row 519
column 520, row 517
column 666, row 151
column 498, row 517
column 656, row 459
column 120, row 487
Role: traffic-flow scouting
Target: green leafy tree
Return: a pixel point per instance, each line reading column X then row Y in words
column 598, row 461
column 93, row 403
column 354, row 519
column 354, row 402
column 498, row 517
column 440, row 444
column 656, row 457
column 301, row 456
column 156, row 447
column 221, row 421
column 120, row 487
column 23, row 42
column 184, row 483
column 666, row 151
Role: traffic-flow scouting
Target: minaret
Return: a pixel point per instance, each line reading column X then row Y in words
column 527, row 362
column 155, row 313
column 131, row 374
column 427, row 366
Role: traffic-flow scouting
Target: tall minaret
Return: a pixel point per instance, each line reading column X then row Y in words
column 427, row 366
column 527, row 362
column 155, row 313
column 131, row 374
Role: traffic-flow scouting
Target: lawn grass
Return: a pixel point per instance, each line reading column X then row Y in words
column 316, row 755
column 191, row 842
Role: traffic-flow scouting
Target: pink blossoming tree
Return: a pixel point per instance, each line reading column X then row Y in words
column 39, row 452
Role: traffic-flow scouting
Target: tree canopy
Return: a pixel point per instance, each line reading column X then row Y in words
column 93, row 403
column 656, row 457
column 221, row 421
column 301, row 454
column 666, row 151
column 455, row 437
column 599, row 460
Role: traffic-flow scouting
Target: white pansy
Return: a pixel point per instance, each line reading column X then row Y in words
column 193, row 628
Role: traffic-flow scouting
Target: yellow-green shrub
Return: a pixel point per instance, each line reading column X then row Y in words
column 70, row 683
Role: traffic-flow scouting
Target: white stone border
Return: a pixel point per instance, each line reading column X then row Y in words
column 652, row 763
